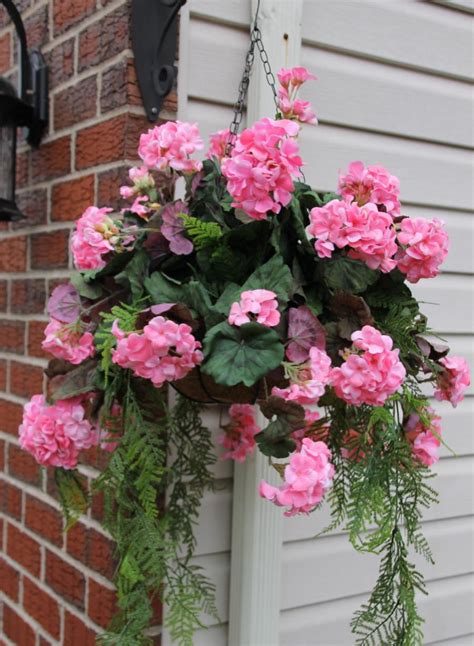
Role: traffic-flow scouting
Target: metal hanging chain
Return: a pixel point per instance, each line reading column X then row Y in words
column 255, row 40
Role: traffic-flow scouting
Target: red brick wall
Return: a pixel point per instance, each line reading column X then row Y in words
column 56, row 589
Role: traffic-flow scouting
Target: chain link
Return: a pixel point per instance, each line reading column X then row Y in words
column 255, row 41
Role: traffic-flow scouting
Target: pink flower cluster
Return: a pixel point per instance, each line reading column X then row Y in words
column 372, row 184
column 425, row 440
column 141, row 180
column 170, row 146
column 289, row 105
column 95, row 236
column 258, row 305
column 239, row 435
column 453, row 380
column 372, row 373
column 68, row 341
column 425, row 246
column 164, row 351
column 54, row 435
column 261, row 168
column 217, row 144
column 308, row 381
column 367, row 231
column 307, row 478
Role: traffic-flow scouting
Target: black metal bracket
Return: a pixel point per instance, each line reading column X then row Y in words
column 33, row 81
column 154, row 35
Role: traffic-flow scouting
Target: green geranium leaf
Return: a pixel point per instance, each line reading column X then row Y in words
column 349, row 275
column 135, row 273
column 162, row 290
column 273, row 275
column 91, row 291
column 274, row 440
column 243, row 354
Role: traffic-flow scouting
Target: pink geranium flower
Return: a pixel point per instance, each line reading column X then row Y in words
column 308, row 380
column 68, row 341
column 95, row 236
column 307, row 478
column 164, row 351
column 294, row 76
column 217, row 144
column 372, row 184
column 425, row 246
column 142, row 182
column 425, row 440
column 371, row 373
column 262, row 166
column 367, row 232
column 171, row 146
column 258, row 305
column 55, row 434
column 453, row 380
column 239, row 435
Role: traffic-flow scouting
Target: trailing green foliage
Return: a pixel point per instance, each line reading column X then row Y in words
column 379, row 498
column 152, row 488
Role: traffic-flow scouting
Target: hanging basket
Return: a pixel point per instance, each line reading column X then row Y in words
column 202, row 388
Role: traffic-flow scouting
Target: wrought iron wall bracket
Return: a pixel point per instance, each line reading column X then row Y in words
column 154, row 35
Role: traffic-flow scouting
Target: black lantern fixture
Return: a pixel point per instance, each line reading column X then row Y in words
column 28, row 110
column 154, row 33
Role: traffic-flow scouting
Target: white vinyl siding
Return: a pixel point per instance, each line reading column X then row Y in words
column 394, row 87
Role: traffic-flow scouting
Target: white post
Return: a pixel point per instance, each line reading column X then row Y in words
column 257, row 524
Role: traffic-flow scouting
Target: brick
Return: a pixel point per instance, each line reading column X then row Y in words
column 50, row 250
column 92, row 548
column 9, row 580
column 28, row 296
column 52, row 159
column 16, row 629
column 44, row 520
column 76, row 633
column 2, row 455
column 24, row 550
column 76, row 103
column 23, row 466
column 118, row 138
column 37, row 28
column 102, row 603
column 25, row 380
column 71, row 198
column 22, row 169
column 10, row 416
column 35, row 338
column 13, row 254
column 10, row 499
column 119, row 86
column 3, row 295
column 42, row 607
column 5, row 52
column 108, row 187
column 44, row 642
column 77, row 542
column 66, row 14
column 12, row 336
column 34, row 205
column 105, row 38
column 60, row 61
column 65, row 579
